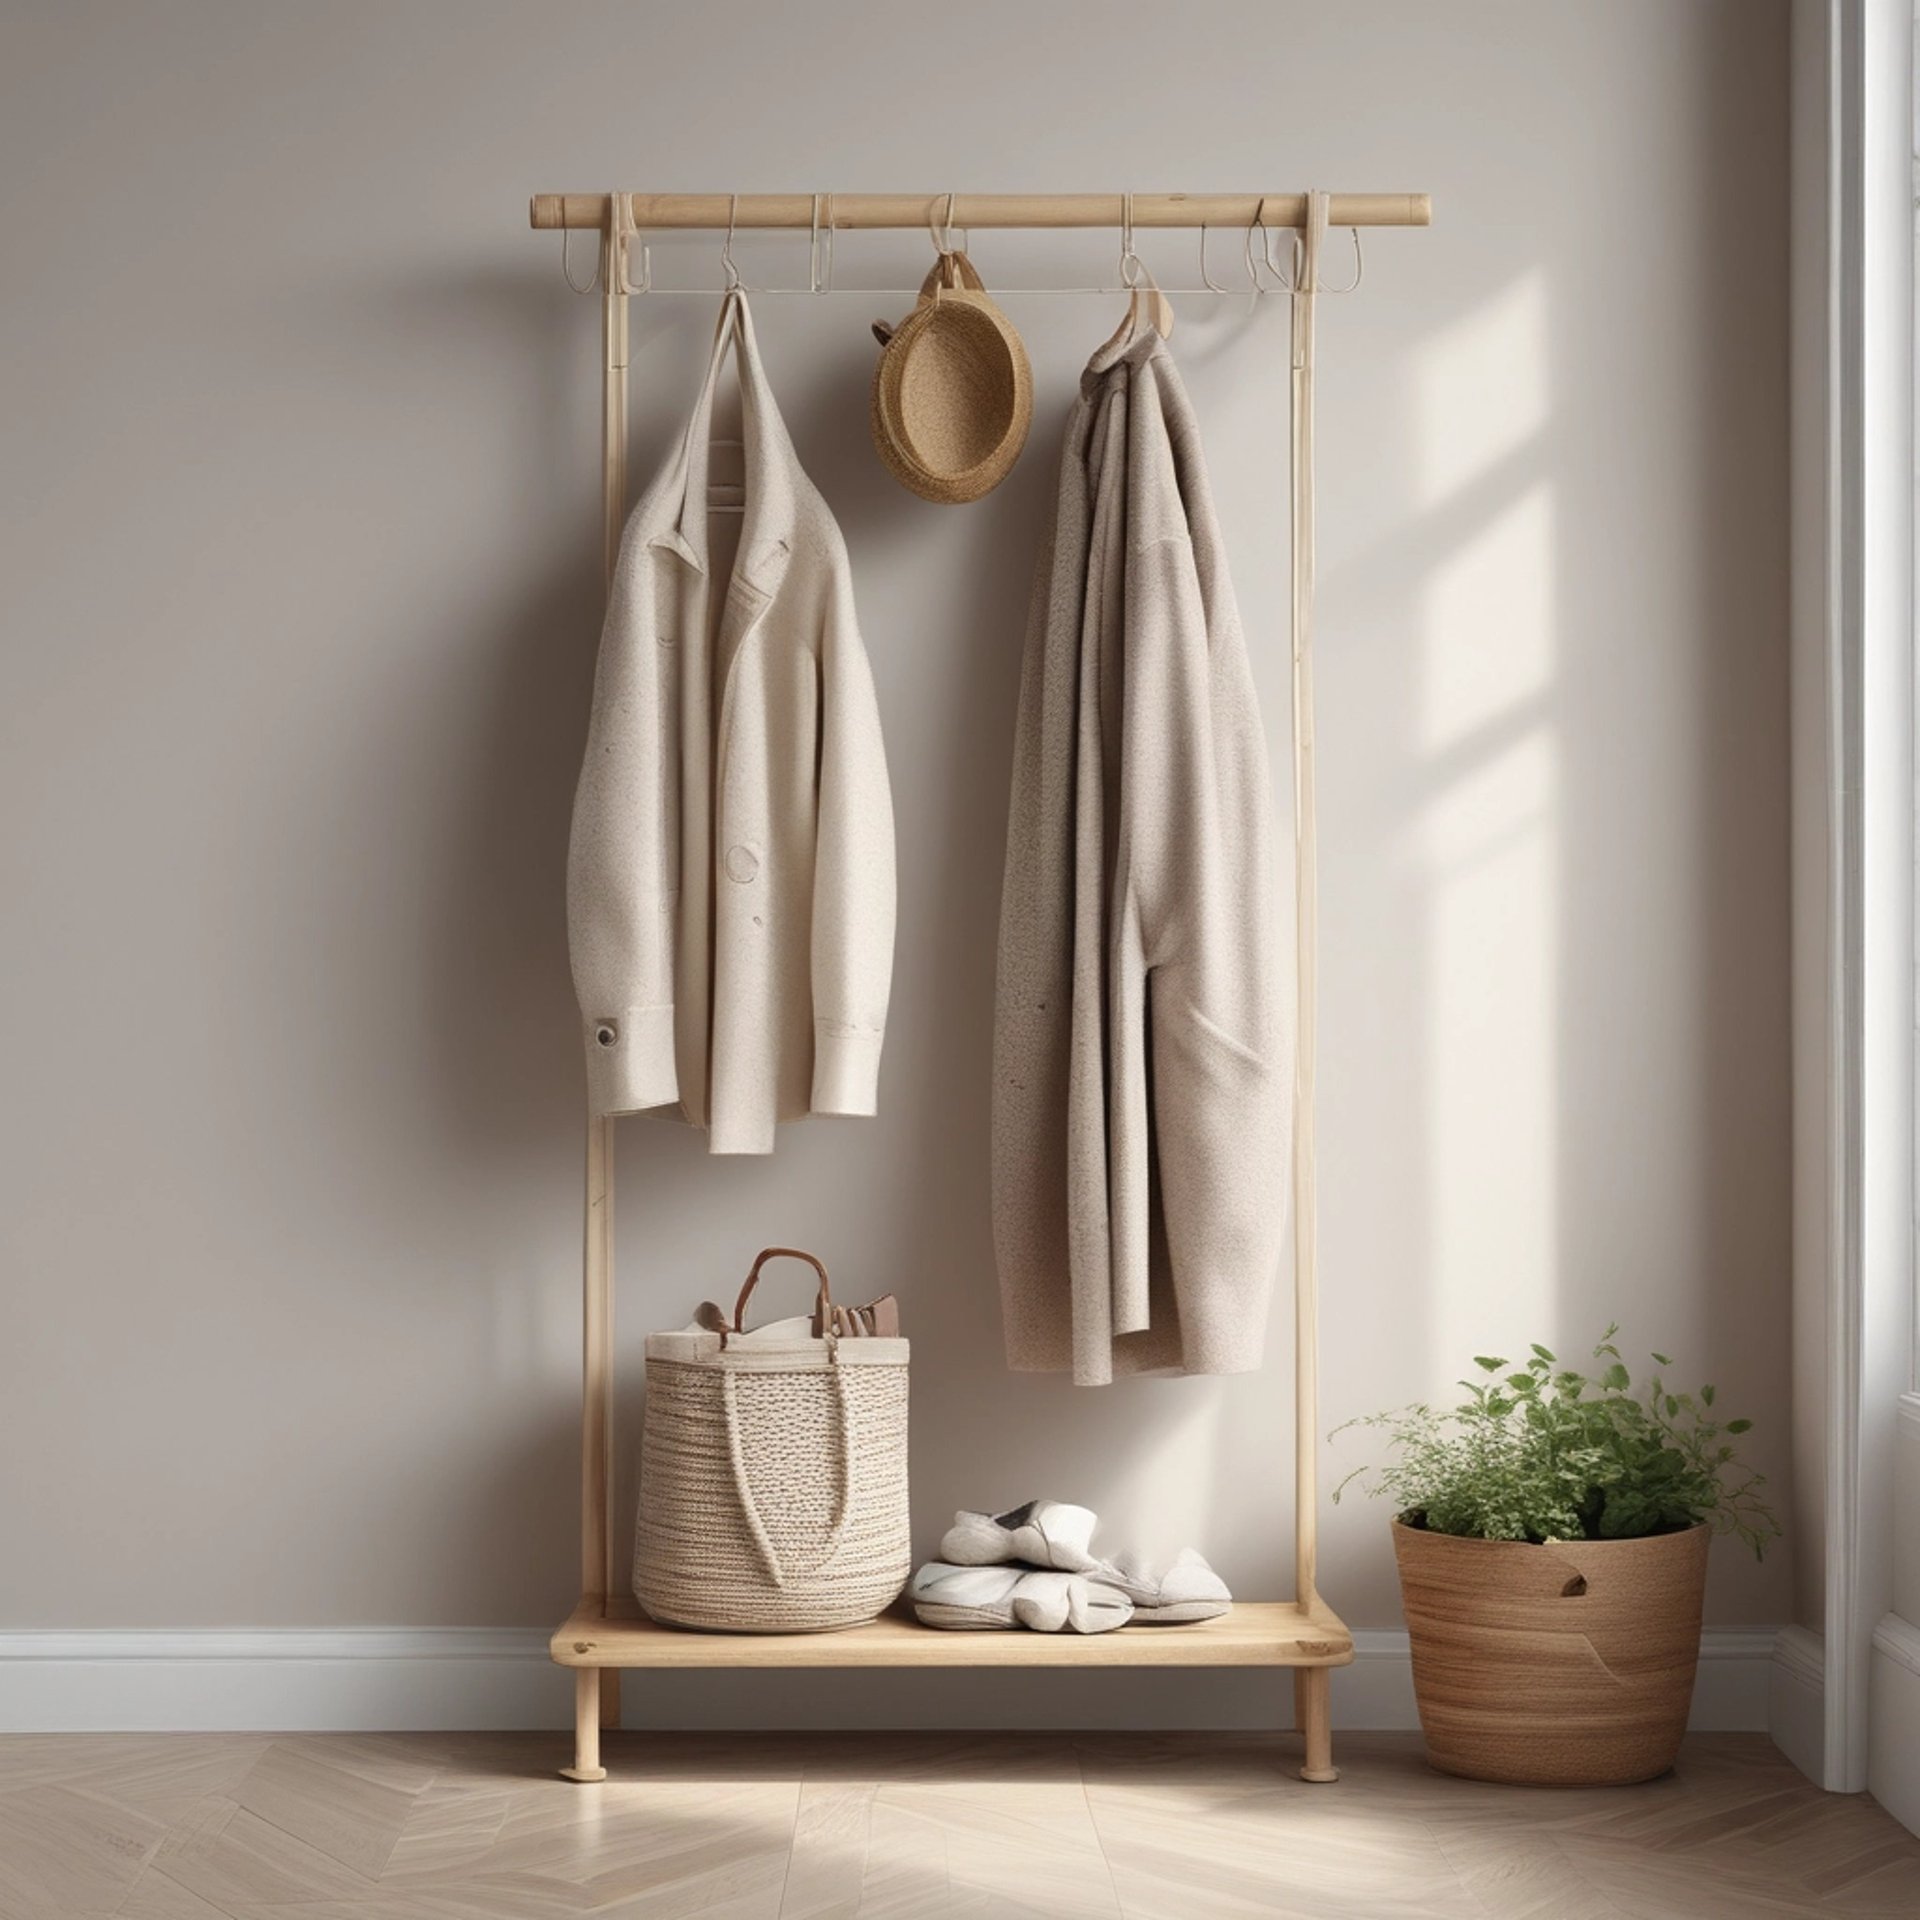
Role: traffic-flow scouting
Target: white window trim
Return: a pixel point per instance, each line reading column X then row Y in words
column 1867, row 456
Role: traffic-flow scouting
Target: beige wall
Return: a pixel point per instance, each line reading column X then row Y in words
column 299, row 569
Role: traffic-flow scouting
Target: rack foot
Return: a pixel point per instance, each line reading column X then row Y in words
column 1313, row 1714
column 586, row 1727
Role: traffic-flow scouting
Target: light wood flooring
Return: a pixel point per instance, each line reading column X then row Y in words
column 1109, row 1827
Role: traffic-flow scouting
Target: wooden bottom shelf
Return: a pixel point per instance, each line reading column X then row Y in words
column 1257, row 1633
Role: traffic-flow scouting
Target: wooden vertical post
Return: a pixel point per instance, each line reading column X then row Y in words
column 1312, row 1685
column 586, row 1726
column 1313, row 1715
column 597, row 1693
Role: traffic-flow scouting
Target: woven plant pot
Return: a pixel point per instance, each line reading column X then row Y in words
column 1562, row 1665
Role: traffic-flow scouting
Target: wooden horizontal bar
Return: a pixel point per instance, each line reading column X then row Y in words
column 616, row 1633
column 715, row 211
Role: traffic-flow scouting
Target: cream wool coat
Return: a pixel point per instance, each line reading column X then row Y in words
column 730, row 883
column 1143, row 1052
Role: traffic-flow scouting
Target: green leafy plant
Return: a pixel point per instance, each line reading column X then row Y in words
column 1548, row 1452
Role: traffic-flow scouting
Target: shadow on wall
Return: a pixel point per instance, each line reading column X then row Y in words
column 443, row 1014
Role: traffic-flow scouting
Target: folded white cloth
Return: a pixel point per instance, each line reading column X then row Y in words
column 1055, row 1535
column 986, row 1597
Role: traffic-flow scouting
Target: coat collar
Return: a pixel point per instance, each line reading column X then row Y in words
column 772, row 469
column 1132, row 347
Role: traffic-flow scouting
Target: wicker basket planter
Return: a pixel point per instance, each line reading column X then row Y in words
column 1562, row 1665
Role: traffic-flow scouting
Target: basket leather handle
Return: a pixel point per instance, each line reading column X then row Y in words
column 823, row 1301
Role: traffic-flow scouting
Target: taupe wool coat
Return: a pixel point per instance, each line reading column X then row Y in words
column 730, row 883
column 1143, row 1053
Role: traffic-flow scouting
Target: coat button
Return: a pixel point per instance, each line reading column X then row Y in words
column 742, row 864
column 606, row 1033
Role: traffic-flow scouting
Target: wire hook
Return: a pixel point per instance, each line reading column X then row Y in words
column 1359, row 266
column 1258, row 225
column 942, row 235
column 593, row 280
column 1206, row 279
column 1131, row 265
column 826, row 277
column 645, row 283
column 726, row 252
column 1291, row 284
column 623, row 237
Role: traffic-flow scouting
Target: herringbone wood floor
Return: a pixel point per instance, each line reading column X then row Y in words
column 1109, row 1827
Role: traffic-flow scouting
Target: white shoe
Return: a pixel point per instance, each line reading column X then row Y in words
column 1043, row 1533
column 1177, row 1595
column 987, row 1597
column 1054, row 1535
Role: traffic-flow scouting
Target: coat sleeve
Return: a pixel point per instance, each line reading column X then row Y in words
column 623, row 860
column 853, row 876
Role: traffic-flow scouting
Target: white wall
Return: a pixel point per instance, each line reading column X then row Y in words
column 299, row 569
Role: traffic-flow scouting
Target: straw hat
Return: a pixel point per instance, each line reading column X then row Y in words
column 953, row 393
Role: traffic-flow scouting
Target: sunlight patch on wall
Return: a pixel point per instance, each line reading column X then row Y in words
column 1487, row 836
column 1492, row 1123
column 1481, row 392
column 1486, row 647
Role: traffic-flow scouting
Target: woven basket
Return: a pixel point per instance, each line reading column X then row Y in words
column 1563, row 1665
column 773, row 1477
column 953, row 392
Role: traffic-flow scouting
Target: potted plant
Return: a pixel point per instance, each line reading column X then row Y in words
column 1551, row 1535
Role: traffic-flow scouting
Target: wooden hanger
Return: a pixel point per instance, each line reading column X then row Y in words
column 1146, row 301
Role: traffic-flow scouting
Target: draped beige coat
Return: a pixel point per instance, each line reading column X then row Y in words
column 730, row 882
column 1143, row 1051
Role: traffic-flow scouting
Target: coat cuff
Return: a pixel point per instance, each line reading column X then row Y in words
column 846, row 1070
column 630, row 1063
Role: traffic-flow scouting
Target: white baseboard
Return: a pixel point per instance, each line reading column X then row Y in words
column 361, row 1679
column 1797, row 1700
column 280, row 1680
column 1893, row 1738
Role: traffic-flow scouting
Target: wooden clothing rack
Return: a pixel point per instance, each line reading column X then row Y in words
column 606, row 1632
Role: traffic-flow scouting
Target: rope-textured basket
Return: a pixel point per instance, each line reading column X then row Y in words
column 773, row 1478
column 1569, row 1664
column 953, row 392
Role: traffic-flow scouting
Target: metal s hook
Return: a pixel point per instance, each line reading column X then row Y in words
column 726, row 252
